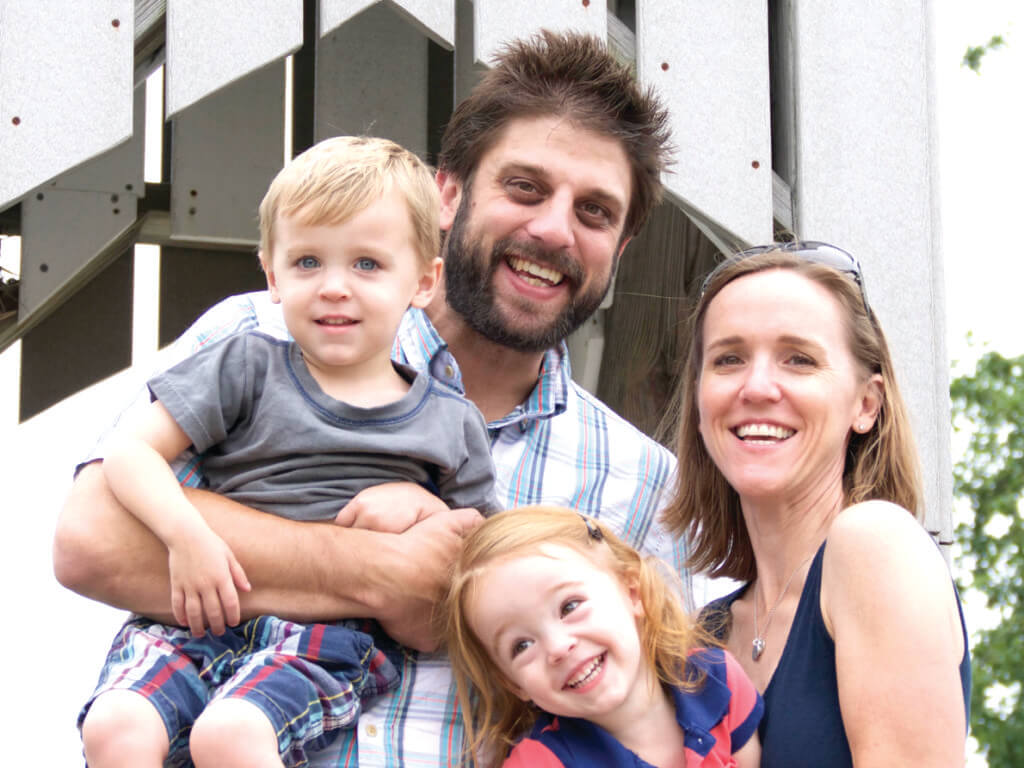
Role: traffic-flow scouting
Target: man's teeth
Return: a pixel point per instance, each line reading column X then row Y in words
column 587, row 673
column 529, row 270
column 763, row 430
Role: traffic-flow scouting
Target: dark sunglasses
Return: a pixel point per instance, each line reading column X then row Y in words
column 808, row 250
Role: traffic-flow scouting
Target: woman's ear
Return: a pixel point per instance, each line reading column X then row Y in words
column 872, row 397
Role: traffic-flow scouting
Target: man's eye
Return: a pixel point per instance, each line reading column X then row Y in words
column 308, row 262
column 522, row 189
column 595, row 212
column 366, row 264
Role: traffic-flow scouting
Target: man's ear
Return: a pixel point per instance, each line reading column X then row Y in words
column 625, row 242
column 428, row 283
column 450, row 187
column 268, row 270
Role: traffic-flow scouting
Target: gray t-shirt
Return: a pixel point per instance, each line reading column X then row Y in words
column 272, row 439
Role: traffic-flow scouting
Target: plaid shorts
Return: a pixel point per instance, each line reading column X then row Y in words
column 307, row 679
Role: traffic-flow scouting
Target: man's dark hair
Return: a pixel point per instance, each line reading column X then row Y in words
column 574, row 76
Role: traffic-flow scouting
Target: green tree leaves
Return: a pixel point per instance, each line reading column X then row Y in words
column 973, row 55
column 988, row 405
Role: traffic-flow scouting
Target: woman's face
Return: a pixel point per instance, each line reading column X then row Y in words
column 779, row 390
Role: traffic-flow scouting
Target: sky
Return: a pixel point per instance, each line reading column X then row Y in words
column 980, row 166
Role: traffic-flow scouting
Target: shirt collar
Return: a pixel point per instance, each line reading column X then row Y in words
column 420, row 345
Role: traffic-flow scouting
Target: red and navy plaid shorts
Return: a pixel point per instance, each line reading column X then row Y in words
column 307, row 678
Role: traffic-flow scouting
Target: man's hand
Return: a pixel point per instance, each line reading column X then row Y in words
column 421, row 562
column 390, row 507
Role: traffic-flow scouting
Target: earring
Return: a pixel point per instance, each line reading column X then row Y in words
column 861, row 427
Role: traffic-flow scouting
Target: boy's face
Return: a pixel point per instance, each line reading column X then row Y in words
column 343, row 288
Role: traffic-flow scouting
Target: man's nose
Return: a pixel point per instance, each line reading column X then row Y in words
column 553, row 221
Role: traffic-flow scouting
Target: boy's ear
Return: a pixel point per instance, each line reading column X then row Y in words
column 429, row 281
column 268, row 270
column 450, row 187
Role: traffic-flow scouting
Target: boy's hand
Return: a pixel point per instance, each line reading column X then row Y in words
column 390, row 508
column 204, row 577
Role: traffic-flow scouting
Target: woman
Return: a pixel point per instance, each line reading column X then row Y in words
column 798, row 475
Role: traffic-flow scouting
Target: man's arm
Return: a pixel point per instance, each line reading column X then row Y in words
column 298, row 570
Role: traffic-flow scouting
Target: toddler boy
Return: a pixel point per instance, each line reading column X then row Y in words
column 349, row 240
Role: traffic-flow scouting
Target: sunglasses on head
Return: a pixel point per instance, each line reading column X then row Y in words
column 808, row 250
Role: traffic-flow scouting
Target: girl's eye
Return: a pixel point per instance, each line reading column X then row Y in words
column 366, row 264
column 569, row 606
column 308, row 262
column 519, row 646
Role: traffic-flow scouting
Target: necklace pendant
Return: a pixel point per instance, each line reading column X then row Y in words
column 758, row 648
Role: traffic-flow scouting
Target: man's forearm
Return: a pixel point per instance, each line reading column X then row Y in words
column 103, row 552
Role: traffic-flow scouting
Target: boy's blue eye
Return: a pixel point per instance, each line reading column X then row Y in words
column 366, row 264
column 308, row 262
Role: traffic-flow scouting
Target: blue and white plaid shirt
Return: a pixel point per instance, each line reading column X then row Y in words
column 562, row 446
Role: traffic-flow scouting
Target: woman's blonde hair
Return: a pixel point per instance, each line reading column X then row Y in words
column 493, row 715
column 880, row 464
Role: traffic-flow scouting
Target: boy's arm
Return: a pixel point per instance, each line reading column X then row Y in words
column 298, row 570
column 204, row 572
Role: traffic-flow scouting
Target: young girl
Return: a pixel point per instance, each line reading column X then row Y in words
column 558, row 630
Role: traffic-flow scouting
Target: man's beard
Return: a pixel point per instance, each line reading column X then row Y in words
column 469, row 287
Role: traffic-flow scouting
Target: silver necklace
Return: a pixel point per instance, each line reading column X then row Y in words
column 758, row 644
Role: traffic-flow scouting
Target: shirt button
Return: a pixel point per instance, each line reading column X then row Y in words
column 371, row 731
column 449, row 371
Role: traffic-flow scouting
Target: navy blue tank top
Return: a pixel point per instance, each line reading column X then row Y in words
column 802, row 724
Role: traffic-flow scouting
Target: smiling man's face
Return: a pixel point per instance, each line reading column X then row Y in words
column 535, row 234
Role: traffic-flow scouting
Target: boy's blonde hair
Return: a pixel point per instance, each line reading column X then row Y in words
column 493, row 715
column 339, row 177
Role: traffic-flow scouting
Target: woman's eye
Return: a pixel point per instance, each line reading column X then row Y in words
column 727, row 359
column 569, row 606
column 366, row 264
column 800, row 359
column 308, row 262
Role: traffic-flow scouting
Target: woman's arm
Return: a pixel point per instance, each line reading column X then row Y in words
column 298, row 570
column 888, row 601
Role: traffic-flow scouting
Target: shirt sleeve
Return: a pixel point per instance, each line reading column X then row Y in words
column 745, row 704
column 530, row 753
column 472, row 482
column 209, row 392
column 230, row 316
